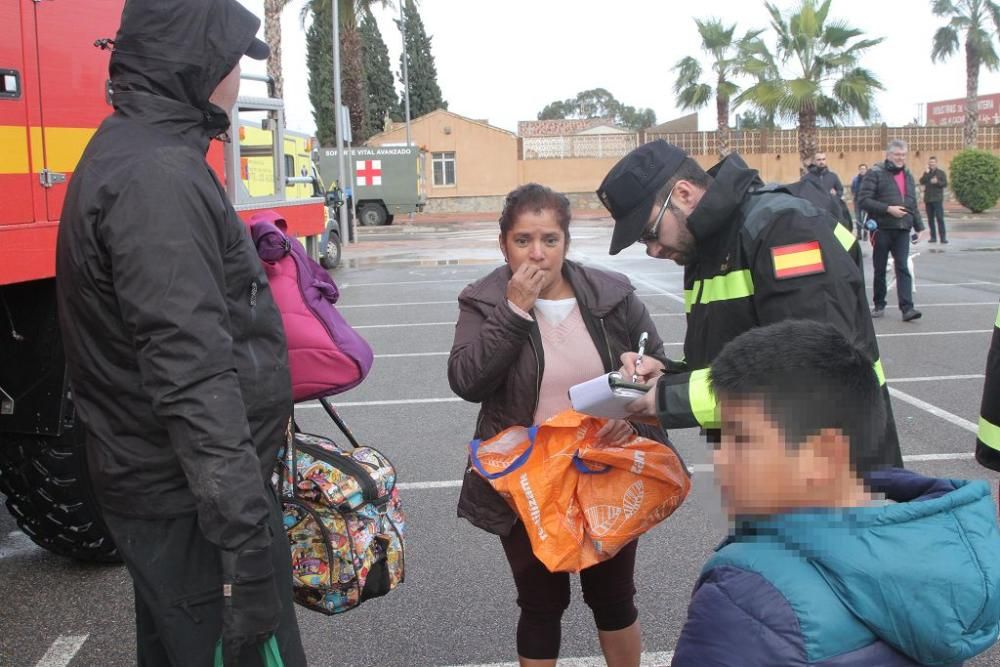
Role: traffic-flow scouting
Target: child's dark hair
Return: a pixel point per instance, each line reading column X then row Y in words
column 536, row 198
column 809, row 378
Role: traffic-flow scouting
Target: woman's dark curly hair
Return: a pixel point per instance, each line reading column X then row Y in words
column 536, row 198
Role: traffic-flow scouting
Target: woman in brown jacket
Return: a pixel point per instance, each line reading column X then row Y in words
column 526, row 333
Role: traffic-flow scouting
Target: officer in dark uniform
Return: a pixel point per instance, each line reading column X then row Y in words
column 752, row 256
column 988, row 434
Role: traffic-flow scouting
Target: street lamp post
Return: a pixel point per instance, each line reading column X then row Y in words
column 341, row 166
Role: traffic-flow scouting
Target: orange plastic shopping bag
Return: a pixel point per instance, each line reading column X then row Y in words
column 581, row 504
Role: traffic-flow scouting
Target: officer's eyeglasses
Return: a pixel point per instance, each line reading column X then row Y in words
column 652, row 234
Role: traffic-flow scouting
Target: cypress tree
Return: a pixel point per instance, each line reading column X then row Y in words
column 381, row 86
column 425, row 94
column 319, row 60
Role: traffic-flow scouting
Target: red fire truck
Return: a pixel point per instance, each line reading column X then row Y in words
column 53, row 95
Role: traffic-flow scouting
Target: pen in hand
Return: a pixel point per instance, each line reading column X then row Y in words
column 638, row 360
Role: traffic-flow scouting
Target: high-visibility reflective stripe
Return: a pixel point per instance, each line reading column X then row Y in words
column 845, row 236
column 879, row 372
column 997, row 324
column 703, row 404
column 14, row 154
column 989, row 434
column 690, row 295
column 734, row 285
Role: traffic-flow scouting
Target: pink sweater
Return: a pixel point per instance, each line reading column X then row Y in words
column 570, row 358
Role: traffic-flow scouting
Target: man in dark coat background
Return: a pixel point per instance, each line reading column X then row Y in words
column 175, row 348
column 889, row 195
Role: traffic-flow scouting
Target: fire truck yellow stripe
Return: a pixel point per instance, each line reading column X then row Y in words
column 14, row 155
column 64, row 146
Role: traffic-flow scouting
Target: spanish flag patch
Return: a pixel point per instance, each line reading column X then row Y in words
column 798, row 259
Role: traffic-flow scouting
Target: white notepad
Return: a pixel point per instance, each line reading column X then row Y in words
column 601, row 397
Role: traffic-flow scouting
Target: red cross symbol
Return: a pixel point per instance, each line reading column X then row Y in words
column 369, row 172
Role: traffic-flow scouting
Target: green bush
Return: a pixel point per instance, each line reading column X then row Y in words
column 975, row 179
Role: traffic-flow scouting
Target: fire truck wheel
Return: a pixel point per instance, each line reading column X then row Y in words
column 331, row 253
column 372, row 215
column 43, row 479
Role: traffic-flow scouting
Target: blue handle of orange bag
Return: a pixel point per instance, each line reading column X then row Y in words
column 517, row 463
column 584, row 469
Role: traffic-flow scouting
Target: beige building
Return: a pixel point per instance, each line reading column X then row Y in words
column 471, row 165
column 468, row 163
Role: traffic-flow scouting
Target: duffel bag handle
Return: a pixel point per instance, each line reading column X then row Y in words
column 515, row 464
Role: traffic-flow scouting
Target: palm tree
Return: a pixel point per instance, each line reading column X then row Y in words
column 692, row 93
column 979, row 20
column 272, row 35
column 353, row 84
column 813, row 72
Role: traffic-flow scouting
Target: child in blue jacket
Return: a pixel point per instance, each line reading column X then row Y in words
column 829, row 562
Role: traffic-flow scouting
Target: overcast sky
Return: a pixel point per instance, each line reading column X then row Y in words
column 504, row 61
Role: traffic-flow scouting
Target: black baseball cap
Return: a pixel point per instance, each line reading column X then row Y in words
column 258, row 50
column 629, row 190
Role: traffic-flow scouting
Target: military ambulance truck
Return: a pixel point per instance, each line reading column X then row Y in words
column 384, row 181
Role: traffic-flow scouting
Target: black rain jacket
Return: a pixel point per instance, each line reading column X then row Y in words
column 879, row 191
column 756, row 264
column 175, row 347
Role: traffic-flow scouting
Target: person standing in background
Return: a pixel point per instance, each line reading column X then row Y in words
column 934, row 181
column 859, row 215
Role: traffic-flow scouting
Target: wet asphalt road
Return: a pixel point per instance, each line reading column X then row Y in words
column 457, row 606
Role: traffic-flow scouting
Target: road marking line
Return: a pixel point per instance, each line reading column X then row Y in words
column 934, row 410
column 939, row 457
column 966, row 303
column 635, row 279
column 974, row 282
column 363, row 404
column 657, row 659
column 405, row 282
column 62, row 651
column 932, row 378
column 396, row 305
column 413, row 354
column 17, row 544
column 449, row 323
column 927, row 333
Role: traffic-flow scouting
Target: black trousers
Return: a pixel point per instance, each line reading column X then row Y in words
column 608, row 589
column 935, row 212
column 177, row 576
column 896, row 242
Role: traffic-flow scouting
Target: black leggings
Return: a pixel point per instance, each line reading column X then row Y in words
column 608, row 589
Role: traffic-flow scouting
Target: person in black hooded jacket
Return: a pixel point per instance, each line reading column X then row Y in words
column 175, row 348
column 752, row 256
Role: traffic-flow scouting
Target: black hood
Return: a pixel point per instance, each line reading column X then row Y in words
column 732, row 179
column 180, row 49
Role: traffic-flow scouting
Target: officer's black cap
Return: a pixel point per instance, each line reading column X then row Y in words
column 629, row 190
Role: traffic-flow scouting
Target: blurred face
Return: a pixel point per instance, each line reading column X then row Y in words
column 756, row 471
column 225, row 94
column 667, row 235
column 863, row 169
column 897, row 156
column 536, row 238
column 820, row 160
column 932, row 163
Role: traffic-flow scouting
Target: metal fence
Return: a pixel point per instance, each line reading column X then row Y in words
column 749, row 142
